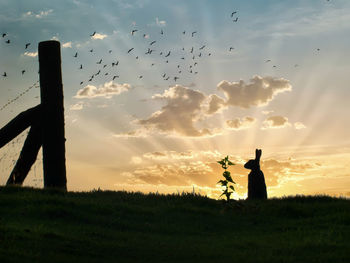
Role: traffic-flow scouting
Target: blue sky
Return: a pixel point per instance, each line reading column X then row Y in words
column 113, row 128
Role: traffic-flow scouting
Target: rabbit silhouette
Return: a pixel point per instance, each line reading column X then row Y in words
column 256, row 179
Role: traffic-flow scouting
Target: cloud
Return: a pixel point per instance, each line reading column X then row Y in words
column 31, row 54
column 99, row 36
column 183, row 108
column 267, row 112
column 160, row 22
column 38, row 15
column 299, row 125
column 216, row 104
column 107, row 90
column 78, row 106
column 259, row 92
column 240, row 124
column 67, row 45
column 275, row 122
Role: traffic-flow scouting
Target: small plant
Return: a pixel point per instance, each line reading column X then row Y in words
column 228, row 182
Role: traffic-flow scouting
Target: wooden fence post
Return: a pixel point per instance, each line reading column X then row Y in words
column 52, row 117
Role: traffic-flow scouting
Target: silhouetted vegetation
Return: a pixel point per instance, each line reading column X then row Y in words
column 227, row 184
column 106, row 226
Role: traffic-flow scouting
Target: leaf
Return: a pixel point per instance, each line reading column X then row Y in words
column 231, row 186
column 223, row 182
column 227, row 176
column 230, row 163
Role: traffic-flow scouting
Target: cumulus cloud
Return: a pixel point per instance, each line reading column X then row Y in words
column 182, row 109
column 31, row 54
column 160, row 22
column 299, row 125
column 216, row 104
column 107, row 90
column 258, row 92
column 240, row 124
column 99, row 36
column 275, row 122
column 67, row 45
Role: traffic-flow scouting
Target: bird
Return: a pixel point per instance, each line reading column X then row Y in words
column 27, row 45
column 167, row 78
column 178, row 66
column 183, row 58
column 93, row 34
column 133, row 31
column 81, row 83
column 202, row 47
column 164, row 75
column 137, row 57
column 114, row 77
column 318, row 49
column 76, row 54
column 152, row 43
column 194, row 32
column 8, row 41
column 4, row 75
column 23, row 71
column 91, row 50
column 231, row 48
column 234, row 12
column 235, row 20
column 209, row 54
column 106, row 73
column 161, row 32
column 140, row 77
column 269, row 60
column 191, row 50
column 110, row 51
column 274, row 66
column 195, row 64
column 180, row 71
column 200, row 54
column 104, row 66
column 167, row 55
column 131, row 49
column 161, row 53
column 99, row 62
column 167, row 61
column 296, row 65
column 4, row 34
column 184, row 32
column 176, row 78
column 152, row 64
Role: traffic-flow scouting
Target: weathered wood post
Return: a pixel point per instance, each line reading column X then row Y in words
column 52, row 117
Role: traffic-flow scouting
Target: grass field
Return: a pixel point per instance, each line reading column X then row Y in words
column 105, row 226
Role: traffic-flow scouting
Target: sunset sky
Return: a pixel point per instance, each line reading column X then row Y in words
column 222, row 78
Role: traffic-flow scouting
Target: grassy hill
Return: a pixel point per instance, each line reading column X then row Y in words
column 105, row 226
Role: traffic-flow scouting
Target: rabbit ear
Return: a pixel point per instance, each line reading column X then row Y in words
column 258, row 154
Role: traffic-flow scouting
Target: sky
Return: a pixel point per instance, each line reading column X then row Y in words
column 181, row 85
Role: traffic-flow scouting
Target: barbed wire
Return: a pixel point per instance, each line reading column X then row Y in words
column 9, row 102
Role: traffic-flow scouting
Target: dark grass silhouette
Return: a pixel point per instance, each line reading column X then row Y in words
column 256, row 179
column 105, row 226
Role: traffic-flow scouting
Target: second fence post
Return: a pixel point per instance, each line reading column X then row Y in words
column 52, row 119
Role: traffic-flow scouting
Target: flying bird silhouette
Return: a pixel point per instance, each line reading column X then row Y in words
column 184, row 32
column 231, row 48
column 76, row 54
column 27, row 45
column 161, row 32
column 152, row 42
column 4, row 75
column 133, row 31
column 93, row 34
column 131, row 49
column 99, row 62
column 23, row 71
column 167, row 55
column 8, row 41
column 269, row 60
column 194, row 33
column 81, row 83
column 176, row 78
column 110, row 51
column 235, row 20
column 234, row 12
column 91, row 50
column 4, row 34
column 202, row 47
column 114, row 77
column 140, row 77
column 81, row 66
